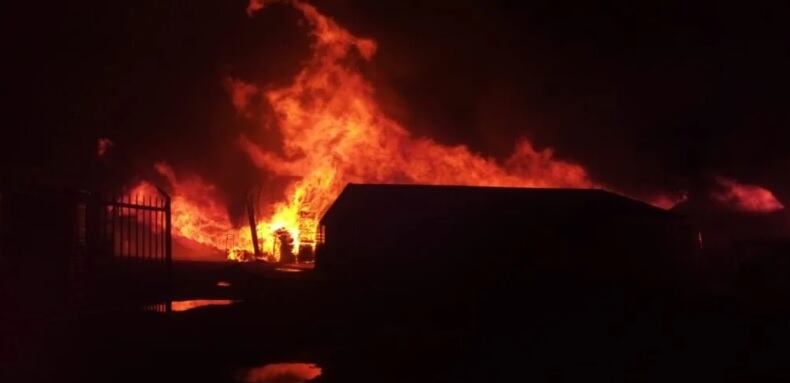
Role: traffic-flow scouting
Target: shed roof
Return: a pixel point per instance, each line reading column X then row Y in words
column 451, row 201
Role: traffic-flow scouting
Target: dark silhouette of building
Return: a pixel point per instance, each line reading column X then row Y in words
column 444, row 234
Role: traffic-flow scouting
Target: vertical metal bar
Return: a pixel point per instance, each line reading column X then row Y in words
column 99, row 215
column 162, row 232
column 118, row 230
column 122, row 232
column 159, row 231
column 168, row 233
column 137, row 227
column 121, row 228
column 132, row 228
column 128, row 226
column 122, row 219
column 147, row 227
column 156, row 232
column 151, row 230
column 113, row 213
column 133, row 222
column 105, row 224
column 157, row 237
column 143, row 227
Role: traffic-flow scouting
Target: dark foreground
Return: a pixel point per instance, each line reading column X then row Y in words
column 555, row 332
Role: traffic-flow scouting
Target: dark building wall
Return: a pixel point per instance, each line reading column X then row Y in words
column 419, row 233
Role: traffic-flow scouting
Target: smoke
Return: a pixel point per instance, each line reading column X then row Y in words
column 256, row 5
column 103, row 146
column 241, row 95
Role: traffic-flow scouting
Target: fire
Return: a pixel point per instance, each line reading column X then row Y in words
column 668, row 201
column 744, row 197
column 333, row 133
column 197, row 212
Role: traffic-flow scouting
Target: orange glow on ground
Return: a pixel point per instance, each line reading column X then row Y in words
column 179, row 306
column 282, row 372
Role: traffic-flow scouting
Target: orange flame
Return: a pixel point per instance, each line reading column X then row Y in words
column 333, row 133
column 197, row 212
column 668, row 201
column 744, row 197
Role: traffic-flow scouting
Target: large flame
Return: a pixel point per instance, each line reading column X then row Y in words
column 334, row 132
column 197, row 213
column 745, row 197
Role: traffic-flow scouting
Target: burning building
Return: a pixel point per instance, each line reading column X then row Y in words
column 332, row 132
column 305, row 137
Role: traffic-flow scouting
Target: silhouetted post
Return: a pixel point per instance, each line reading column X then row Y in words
column 93, row 238
column 137, row 227
column 168, row 238
column 168, row 232
column 253, row 230
column 128, row 226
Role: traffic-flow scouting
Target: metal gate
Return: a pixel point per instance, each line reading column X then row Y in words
column 127, row 244
column 134, row 227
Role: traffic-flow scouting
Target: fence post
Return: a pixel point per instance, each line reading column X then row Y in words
column 168, row 231
column 253, row 226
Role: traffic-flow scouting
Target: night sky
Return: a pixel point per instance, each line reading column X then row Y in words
column 658, row 96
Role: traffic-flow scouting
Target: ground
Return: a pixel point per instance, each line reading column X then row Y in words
column 555, row 333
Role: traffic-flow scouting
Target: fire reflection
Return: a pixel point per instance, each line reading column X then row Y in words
column 179, row 306
column 282, row 372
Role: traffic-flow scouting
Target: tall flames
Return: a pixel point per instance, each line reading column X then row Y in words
column 333, row 133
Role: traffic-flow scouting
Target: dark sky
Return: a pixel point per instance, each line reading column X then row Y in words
column 654, row 96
